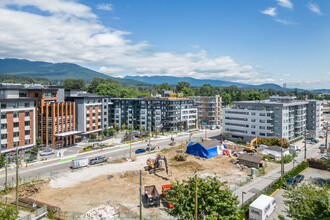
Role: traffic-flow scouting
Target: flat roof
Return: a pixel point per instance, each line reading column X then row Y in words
column 262, row 201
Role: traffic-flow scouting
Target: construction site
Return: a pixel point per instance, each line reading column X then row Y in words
column 115, row 185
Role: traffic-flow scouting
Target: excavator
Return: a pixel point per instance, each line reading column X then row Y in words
column 156, row 164
column 250, row 146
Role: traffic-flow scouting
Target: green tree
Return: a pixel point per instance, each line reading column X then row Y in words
column 2, row 160
column 215, row 201
column 226, row 98
column 188, row 91
column 123, row 126
column 140, row 129
column 70, row 83
column 179, row 87
column 111, row 132
column 327, row 162
column 38, row 141
column 109, row 89
column 162, row 86
column 7, row 212
column 95, row 83
column 116, row 127
column 131, row 127
column 93, row 136
column 308, row 201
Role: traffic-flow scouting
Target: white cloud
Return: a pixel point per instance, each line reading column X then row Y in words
column 72, row 33
column 314, row 8
column 285, row 22
column 285, row 3
column 104, row 6
column 269, row 11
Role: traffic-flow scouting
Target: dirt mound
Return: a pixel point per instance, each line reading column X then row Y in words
column 188, row 166
column 129, row 174
column 30, row 189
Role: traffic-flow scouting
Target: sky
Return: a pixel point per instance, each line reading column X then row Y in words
column 254, row 41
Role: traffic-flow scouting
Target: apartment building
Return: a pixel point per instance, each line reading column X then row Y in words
column 314, row 112
column 278, row 117
column 209, row 109
column 17, row 125
column 166, row 113
column 91, row 111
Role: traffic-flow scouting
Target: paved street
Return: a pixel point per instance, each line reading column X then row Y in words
column 261, row 182
column 44, row 169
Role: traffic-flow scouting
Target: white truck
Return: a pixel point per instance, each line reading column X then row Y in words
column 262, row 207
column 78, row 163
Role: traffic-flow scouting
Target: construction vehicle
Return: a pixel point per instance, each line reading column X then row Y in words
column 164, row 189
column 156, row 164
column 152, row 197
column 250, row 146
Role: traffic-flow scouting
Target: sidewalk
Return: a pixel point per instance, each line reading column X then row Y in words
column 261, row 182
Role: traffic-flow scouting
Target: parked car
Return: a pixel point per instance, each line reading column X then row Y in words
column 309, row 142
column 291, row 182
column 325, row 156
column 322, row 146
column 150, row 148
column 295, row 147
column 299, row 178
column 139, row 151
column 315, row 140
column 47, row 152
column 97, row 160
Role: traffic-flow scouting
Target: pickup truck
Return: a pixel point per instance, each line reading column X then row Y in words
column 152, row 196
column 97, row 160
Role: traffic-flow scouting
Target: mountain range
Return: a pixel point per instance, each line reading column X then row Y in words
column 61, row 71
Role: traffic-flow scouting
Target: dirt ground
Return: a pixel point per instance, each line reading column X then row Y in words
column 123, row 188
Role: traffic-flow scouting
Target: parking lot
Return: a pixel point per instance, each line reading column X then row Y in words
column 311, row 174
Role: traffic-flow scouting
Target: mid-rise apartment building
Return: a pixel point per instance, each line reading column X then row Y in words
column 91, row 111
column 17, row 125
column 169, row 114
column 209, row 109
column 278, row 117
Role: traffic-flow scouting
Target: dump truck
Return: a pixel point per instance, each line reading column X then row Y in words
column 78, row 163
column 164, row 189
column 152, row 197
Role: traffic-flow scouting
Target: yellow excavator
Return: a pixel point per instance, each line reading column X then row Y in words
column 250, row 145
column 156, row 164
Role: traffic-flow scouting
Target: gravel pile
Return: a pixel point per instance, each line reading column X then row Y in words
column 103, row 212
column 71, row 179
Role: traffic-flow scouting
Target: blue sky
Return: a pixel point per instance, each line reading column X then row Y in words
column 255, row 41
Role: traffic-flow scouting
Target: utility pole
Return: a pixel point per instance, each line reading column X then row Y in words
column 140, row 195
column 17, row 180
column 326, row 139
column 282, row 159
column 130, row 145
column 196, row 199
column 305, row 143
column 6, row 181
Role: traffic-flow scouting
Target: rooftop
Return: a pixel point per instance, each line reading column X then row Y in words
column 210, row 143
column 249, row 157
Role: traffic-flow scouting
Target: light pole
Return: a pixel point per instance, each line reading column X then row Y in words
column 305, row 143
column 243, row 197
column 294, row 161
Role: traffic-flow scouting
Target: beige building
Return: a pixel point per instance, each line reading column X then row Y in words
column 209, row 109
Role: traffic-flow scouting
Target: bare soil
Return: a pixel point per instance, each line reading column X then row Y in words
column 123, row 188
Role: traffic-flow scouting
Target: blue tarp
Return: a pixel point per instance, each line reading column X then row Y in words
column 198, row 150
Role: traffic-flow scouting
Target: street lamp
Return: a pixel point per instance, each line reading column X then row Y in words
column 294, row 161
column 243, row 197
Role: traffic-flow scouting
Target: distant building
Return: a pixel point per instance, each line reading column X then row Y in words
column 274, row 150
column 92, row 111
column 209, row 109
column 18, row 121
column 249, row 160
column 161, row 113
column 278, row 117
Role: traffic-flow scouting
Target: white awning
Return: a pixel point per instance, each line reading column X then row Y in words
column 69, row 133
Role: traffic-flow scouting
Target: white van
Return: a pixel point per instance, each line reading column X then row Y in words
column 262, row 207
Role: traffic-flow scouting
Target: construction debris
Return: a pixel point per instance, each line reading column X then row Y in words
column 101, row 213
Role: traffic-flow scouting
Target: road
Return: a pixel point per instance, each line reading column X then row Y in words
column 261, row 182
column 44, row 169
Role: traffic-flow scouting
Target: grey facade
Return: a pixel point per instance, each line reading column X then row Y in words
column 167, row 114
column 91, row 111
column 314, row 117
column 278, row 117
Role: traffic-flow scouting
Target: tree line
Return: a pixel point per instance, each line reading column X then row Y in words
column 110, row 87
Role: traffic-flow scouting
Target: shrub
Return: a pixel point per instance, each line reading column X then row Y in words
column 180, row 157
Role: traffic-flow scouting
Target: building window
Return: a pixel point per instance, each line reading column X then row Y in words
column 262, row 121
column 253, row 126
column 3, row 115
column 27, row 123
column 49, row 94
column 253, row 113
column 27, row 132
column 15, row 114
column 27, row 141
column 27, row 104
column 253, row 132
column 16, row 124
column 3, row 146
column 36, row 95
column 16, row 143
column 262, row 127
column 253, row 120
column 3, row 136
column 3, row 126
column 27, row 114
column 16, row 134
column 93, row 127
column 262, row 134
column 3, row 105
column 15, row 105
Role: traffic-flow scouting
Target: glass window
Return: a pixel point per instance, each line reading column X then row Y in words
column 16, row 144
column 3, row 136
column 3, row 105
column 27, row 104
column 16, row 124
column 3, row 146
column 15, row 114
column 27, row 141
column 27, row 114
column 27, row 132
column 15, row 105
column 27, row 123
column 16, row 134
column 3, row 115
